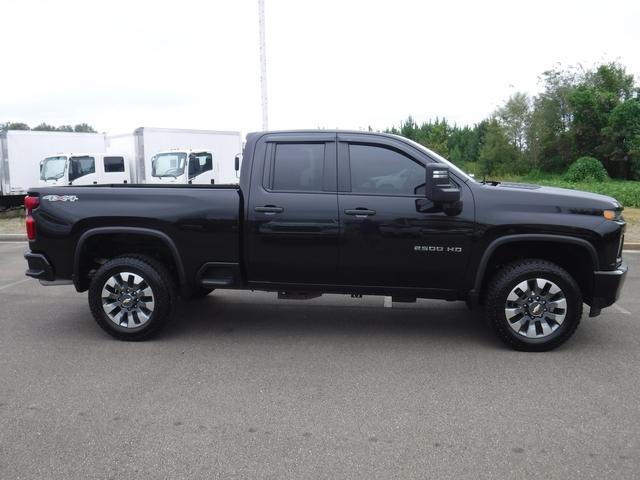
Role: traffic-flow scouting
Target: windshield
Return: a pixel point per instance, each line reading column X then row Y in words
column 53, row 168
column 169, row 164
column 465, row 176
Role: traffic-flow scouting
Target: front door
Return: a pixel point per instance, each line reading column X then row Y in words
column 391, row 235
column 82, row 170
column 292, row 214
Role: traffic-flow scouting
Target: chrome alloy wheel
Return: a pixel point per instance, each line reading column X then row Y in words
column 127, row 299
column 535, row 308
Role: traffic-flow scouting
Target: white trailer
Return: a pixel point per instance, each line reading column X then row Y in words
column 146, row 143
column 21, row 152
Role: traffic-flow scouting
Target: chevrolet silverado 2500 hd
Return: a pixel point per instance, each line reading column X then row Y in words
column 340, row 212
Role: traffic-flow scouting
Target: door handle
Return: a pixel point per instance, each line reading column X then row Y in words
column 269, row 209
column 360, row 212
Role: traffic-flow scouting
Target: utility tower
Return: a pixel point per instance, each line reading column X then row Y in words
column 263, row 67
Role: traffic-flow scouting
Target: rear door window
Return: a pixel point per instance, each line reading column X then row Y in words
column 298, row 167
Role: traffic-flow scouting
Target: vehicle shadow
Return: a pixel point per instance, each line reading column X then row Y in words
column 435, row 321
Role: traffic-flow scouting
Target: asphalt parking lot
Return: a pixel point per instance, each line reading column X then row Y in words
column 242, row 385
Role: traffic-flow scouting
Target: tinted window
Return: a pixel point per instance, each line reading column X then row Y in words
column 113, row 164
column 200, row 163
column 298, row 167
column 81, row 166
column 384, row 171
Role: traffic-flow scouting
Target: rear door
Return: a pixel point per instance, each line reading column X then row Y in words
column 292, row 216
column 391, row 234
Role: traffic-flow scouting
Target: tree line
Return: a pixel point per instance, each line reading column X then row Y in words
column 44, row 127
column 580, row 112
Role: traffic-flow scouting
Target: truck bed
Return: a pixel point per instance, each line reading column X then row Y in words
column 202, row 222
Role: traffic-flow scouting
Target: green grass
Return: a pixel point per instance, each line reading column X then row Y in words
column 11, row 225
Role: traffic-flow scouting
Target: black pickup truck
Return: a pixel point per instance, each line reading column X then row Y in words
column 335, row 212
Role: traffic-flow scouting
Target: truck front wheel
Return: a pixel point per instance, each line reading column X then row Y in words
column 131, row 298
column 534, row 305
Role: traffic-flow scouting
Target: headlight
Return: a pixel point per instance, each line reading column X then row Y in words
column 612, row 214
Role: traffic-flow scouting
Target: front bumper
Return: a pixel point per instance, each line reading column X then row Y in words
column 607, row 287
column 39, row 266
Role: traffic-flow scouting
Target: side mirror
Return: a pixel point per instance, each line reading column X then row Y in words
column 438, row 187
column 237, row 162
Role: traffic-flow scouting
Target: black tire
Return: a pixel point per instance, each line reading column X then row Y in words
column 156, row 277
column 507, row 279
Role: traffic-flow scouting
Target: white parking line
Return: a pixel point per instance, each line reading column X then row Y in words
column 8, row 285
column 621, row 310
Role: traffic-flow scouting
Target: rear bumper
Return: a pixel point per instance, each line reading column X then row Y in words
column 607, row 287
column 39, row 266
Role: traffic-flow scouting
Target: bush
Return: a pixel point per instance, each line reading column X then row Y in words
column 586, row 169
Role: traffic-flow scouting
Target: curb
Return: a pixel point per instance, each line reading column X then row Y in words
column 13, row 237
column 631, row 246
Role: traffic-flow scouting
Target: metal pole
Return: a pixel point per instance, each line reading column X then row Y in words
column 263, row 66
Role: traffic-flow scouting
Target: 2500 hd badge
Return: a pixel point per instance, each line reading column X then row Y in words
column 434, row 248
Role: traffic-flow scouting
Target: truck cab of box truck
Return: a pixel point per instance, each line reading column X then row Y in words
column 63, row 169
column 184, row 166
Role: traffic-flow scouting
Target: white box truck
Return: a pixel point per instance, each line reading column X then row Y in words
column 21, row 154
column 174, row 155
column 63, row 169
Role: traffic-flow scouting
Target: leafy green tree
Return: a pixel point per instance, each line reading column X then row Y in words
column 549, row 137
column 592, row 102
column 45, row 127
column 515, row 117
column 580, row 112
column 84, row 128
column 14, row 126
column 408, row 128
column 613, row 79
column 497, row 155
column 64, row 128
column 622, row 140
column 435, row 135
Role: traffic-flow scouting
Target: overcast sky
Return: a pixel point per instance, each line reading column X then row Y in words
column 119, row 65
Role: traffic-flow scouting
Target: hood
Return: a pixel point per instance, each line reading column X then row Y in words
column 576, row 201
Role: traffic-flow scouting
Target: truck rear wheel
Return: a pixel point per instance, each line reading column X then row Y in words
column 534, row 305
column 131, row 298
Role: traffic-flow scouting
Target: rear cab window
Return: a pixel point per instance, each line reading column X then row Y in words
column 113, row 164
column 297, row 167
